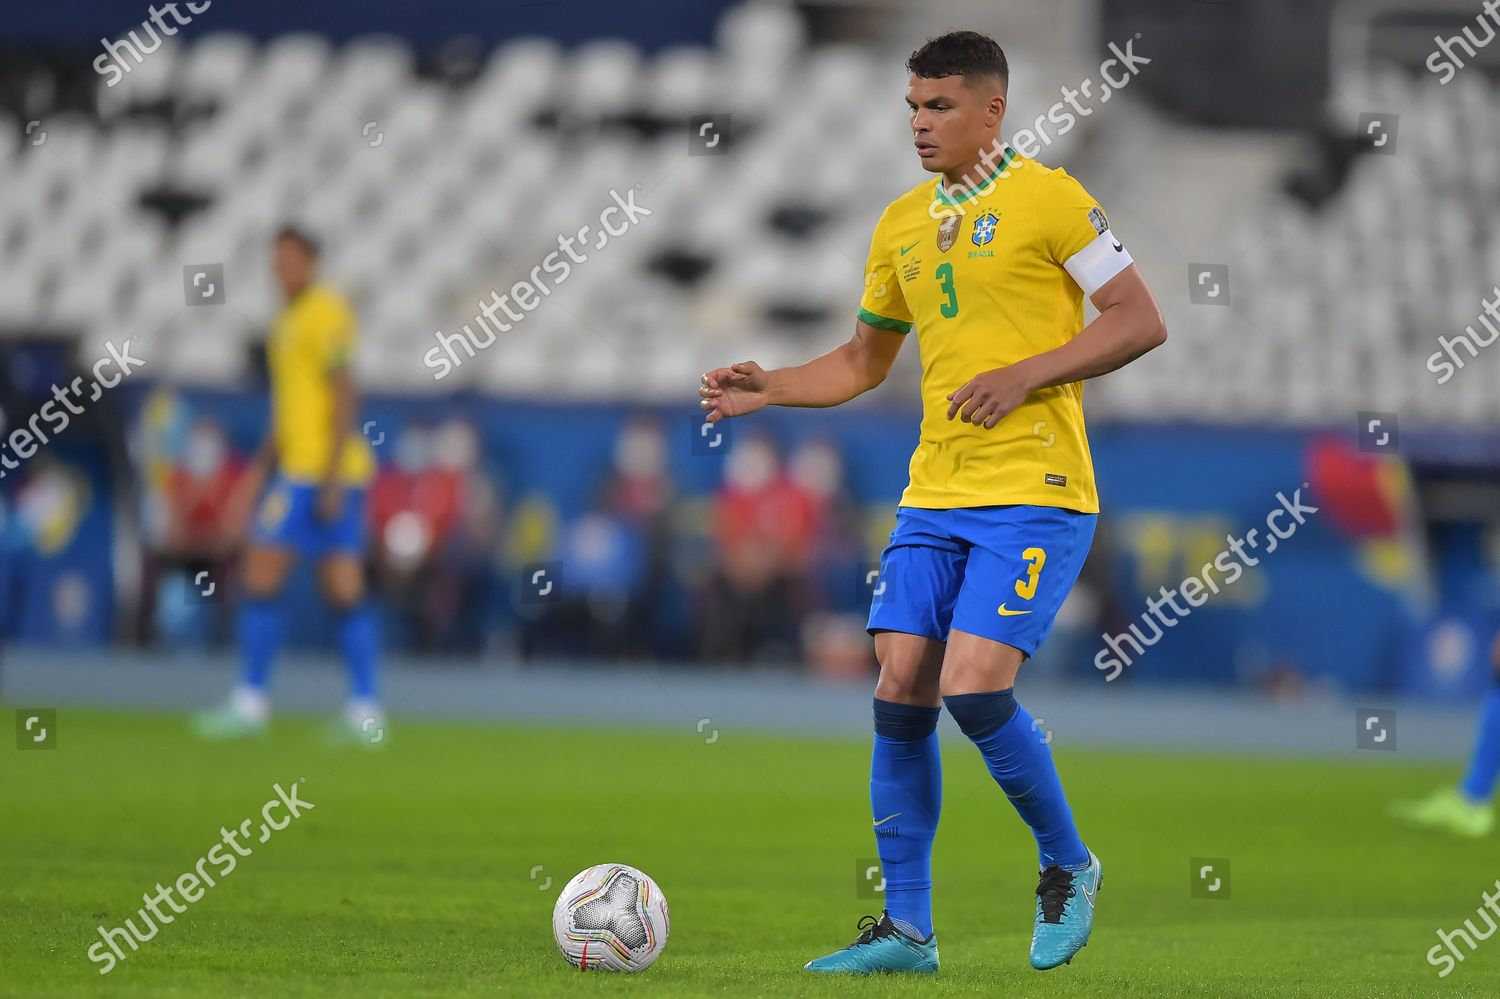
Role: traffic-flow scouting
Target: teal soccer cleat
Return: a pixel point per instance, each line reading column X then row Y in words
column 880, row 947
column 1064, row 913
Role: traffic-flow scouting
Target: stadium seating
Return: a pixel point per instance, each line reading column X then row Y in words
column 431, row 190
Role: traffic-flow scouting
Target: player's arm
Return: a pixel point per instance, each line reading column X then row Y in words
column 883, row 322
column 337, row 344
column 248, row 487
column 831, row 379
column 262, row 461
column 259, row 470
column 331, row 493
column 1128, row 325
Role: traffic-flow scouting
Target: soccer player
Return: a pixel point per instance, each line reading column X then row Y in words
column 990, row 263
column 1466, row 810
column 314, row 506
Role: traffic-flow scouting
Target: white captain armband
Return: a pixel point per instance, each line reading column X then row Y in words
column 1094, row 265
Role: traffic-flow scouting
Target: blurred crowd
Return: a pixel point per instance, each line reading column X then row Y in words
column 766, row 567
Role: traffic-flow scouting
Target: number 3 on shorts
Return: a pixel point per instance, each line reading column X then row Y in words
column 1026, row 588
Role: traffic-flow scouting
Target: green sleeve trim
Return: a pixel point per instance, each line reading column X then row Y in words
column 882, row 323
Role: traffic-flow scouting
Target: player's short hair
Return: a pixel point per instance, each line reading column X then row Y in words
column 301, row 237
column 960, row 53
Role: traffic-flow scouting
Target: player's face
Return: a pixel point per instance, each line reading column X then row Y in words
column 952, row 118
column 293, row 265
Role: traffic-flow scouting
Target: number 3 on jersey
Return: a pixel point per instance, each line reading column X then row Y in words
column 1026, row 588
column 949, row 308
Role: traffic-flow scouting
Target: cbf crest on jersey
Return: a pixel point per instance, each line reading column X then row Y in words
column 984, row 228
column 948, row 232
column 1097, row 219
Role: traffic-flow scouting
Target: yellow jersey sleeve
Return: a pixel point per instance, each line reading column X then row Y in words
column 332, row 331
column 1069, row 217
column 1076, row 235
column 882, row 304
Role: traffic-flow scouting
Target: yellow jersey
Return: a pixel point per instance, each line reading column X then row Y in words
column 990, row 277
column 312, row 338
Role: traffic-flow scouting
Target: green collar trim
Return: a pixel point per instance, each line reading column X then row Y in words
column 983, row 187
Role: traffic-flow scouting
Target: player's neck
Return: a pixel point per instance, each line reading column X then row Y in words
column 988, row 161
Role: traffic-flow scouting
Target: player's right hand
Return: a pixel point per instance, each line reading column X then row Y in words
column 733, row 391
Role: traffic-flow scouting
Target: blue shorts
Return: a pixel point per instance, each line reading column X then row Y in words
column 1000, row 572
column 288, row 518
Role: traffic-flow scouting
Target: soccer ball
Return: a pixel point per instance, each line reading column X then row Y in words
column 611, row 918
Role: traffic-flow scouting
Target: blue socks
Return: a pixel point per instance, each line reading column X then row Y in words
column 1021, row 762
column 1478, row 784
column 906, row 790
column 906, row 795
column 359, row 640
column 262, row 625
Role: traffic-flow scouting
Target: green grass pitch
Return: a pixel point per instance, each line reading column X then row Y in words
column 412, row 875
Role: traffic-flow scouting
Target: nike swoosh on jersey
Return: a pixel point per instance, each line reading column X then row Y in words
column 906, row 249
column 1007, row 612
column 1118, row 247
column 888, row 818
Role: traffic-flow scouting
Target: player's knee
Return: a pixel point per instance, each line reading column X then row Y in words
column 345, row 596
column 959, row 678
column 980, row 715
column 972, row 668
column 260, row 589
column 906, row 683
column 261, row 577
column 962, row 675
column 343, row 588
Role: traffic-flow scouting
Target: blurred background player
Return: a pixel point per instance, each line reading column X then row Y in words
column 318, row 467
column 1467, row 809
column 991, row 265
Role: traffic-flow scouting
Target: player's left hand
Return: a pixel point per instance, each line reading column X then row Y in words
column 330, row 501
column 990, row 396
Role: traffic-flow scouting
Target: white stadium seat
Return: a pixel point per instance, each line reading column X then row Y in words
column 428, row 197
